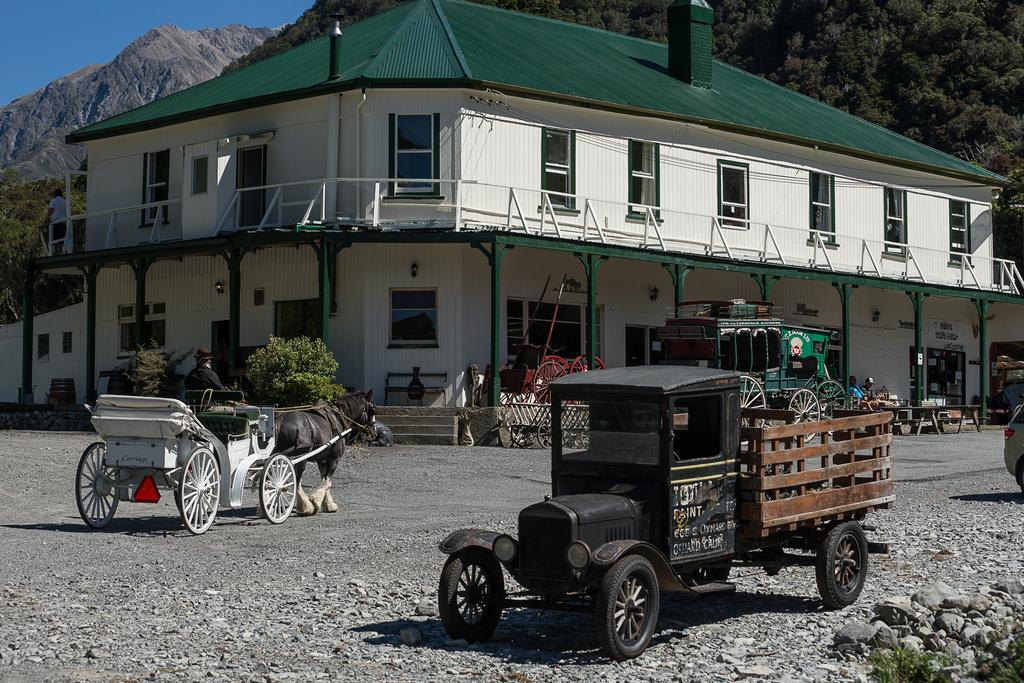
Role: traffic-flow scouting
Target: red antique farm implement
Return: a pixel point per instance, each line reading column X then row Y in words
column 525, row 380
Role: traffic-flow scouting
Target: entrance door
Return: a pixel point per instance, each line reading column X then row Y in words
column 636, row 346
column 252, row 172
column 220, row 347
column 944, row 375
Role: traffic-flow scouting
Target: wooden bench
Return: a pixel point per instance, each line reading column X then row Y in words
column 928, row 414
column 434, row 384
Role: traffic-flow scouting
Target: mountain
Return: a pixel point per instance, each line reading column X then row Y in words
column 161, row 62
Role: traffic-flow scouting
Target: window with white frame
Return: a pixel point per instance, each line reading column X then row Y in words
column 43, row 347
column 959, row 230
column 643, row 176
column 156, row 168
column 298, row 318
column 568, row 334
column 733, row 194
column 895, row 221
column 200, row 174
column 154, row 331
column 414, row 317
column 823, row 206
column 558, row 154
column 414, row 153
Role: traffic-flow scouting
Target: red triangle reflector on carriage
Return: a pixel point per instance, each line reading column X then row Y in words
column 147, row 491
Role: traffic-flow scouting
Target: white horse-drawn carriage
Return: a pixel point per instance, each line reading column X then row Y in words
column 207, row 455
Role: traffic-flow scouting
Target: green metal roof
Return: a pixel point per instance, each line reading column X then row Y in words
column 455, row 43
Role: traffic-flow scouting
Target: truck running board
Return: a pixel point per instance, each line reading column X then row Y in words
column 713, row 588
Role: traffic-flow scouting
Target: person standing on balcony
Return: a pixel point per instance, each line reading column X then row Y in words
column 56, row 216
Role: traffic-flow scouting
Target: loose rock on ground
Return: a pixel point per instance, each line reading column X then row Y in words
column 344, row 596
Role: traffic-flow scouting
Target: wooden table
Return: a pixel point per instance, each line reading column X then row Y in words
column 936, row 417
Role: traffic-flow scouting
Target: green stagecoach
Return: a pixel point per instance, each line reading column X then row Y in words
column 783, row 366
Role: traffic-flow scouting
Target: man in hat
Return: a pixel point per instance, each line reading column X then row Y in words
column 873, row 400
column 202, row 375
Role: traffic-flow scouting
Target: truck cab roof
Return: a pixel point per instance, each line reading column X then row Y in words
column 646, row 378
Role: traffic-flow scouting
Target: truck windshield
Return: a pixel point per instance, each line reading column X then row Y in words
column 620, row 431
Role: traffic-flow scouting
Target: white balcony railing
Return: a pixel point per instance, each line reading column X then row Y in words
column 460, row 205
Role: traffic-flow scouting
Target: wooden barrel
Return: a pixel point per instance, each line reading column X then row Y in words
column 62, row 391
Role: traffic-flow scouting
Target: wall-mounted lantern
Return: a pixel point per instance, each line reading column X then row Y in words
column 654, row 293
column 219, row 286
column 414, row 270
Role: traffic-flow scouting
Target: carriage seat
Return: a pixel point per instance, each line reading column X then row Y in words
column 196, row 397
column 226, row 426
column 139, row 417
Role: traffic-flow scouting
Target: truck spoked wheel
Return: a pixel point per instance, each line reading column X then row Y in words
column 842, row 565
column 627, row 608
column 470, row 595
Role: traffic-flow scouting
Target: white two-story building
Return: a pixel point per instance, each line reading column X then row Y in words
column 416, row 189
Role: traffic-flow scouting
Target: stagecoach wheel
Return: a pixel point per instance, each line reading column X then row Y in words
column 550, row 369
column 752, row 396
column 805, row 404
column 832, row 396
column 199, row 489
column 841, row 566
column 95, row 487
column 278, row 489
column 627, row 608
column 470, row 595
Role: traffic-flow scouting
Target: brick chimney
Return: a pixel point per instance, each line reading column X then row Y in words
column 689, row 41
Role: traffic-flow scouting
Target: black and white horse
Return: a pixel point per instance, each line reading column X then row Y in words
column 306, row 430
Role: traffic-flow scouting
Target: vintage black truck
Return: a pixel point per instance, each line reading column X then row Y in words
column 664, row 490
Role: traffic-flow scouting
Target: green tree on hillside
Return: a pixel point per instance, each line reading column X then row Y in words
column 22, row 218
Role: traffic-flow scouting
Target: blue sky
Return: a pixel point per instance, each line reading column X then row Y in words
column 36, row 48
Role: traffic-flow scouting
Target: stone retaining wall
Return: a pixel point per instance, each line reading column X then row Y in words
column 482, row 423
column 45, row 418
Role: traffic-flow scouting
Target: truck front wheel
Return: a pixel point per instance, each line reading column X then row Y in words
column 470, row 595
column 627, row 608
column 842, row 565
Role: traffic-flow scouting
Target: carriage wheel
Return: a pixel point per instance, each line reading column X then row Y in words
column 752, row 396
column 550, row 369
column 278, row 489
column 831, row 395
column 95, row 487
column 199, row 488
column 543, row 422
column 805, row 404
column 579, row 364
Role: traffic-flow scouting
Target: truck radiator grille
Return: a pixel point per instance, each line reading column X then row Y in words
column 543, row 541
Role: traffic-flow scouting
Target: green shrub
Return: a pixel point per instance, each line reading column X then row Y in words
column 153, row 372
column 907, row 666
column 292, row 372
column 1008, row 669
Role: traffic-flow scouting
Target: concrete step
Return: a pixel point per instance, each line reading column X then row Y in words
column 404, row 421
column 426, row 439
column 423, row 429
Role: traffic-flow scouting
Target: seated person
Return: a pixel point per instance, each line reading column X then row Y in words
column 872, row 399
column 202, row 376
column 854, row 390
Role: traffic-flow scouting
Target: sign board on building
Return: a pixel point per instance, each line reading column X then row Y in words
column 946, row 334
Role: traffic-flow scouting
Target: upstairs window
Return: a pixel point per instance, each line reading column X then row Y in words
column 959, row 231
column 895, row 221
column 559, row 160
column 66, row 343
column 644, row 176
column 43, row 347
column 823, row 208
column 200, row 174
column 414, row 317
column 733, row 194
column 414, row 159
column 156, row 169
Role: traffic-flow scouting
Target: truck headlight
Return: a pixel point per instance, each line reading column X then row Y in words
column 578, row 555
column 504, row 548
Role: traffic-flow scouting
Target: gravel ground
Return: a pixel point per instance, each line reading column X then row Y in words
column 326, row 597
